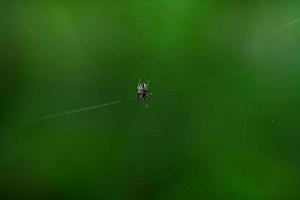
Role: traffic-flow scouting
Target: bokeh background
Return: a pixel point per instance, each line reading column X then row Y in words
column 222, row 123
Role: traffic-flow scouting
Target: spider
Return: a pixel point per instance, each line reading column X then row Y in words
column 142, row 90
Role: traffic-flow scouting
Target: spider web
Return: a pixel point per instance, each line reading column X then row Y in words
column 89, row 108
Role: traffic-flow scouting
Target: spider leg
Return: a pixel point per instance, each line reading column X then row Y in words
column 140, row 80
column 139, row 96
column 148, row 83
column 146, row 97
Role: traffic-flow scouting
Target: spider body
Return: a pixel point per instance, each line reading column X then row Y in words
column 142, row 91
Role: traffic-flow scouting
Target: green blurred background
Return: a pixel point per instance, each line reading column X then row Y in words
column 228, row 130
